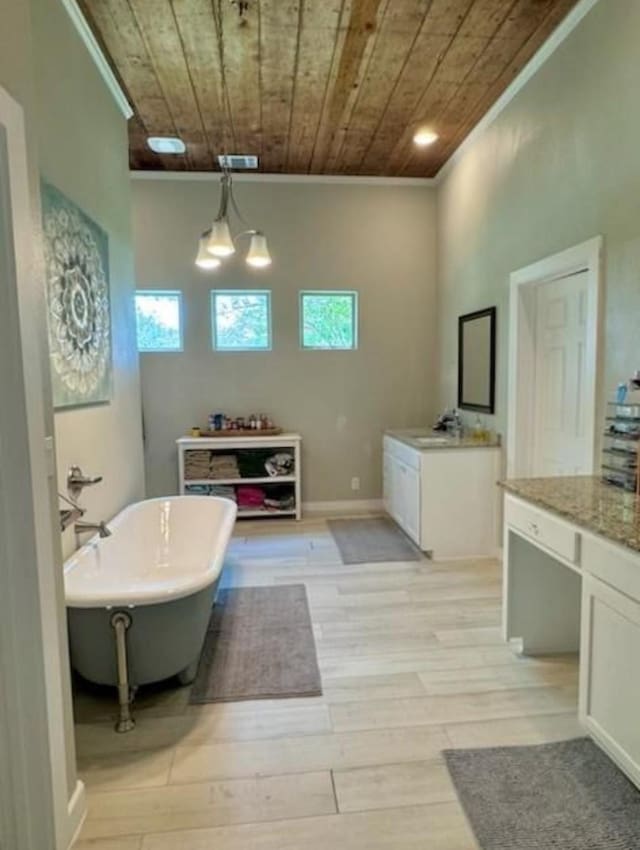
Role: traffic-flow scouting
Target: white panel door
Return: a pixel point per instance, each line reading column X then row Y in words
column 560, row 445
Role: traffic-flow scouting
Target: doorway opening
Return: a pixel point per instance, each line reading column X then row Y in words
column 553, row 364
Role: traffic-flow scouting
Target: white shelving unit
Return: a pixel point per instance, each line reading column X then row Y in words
column 235, row 445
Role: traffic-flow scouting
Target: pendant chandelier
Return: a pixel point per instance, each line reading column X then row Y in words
column 217, row 243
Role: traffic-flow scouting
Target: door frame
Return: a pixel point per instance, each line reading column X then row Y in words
column 585, row 257
column 46, row 802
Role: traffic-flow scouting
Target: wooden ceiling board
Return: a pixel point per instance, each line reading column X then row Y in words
column 400, row 111
column 398, row 31
column 315, row 86
column 119, row 35
column 319, row 36
column 354, row 48
column 473, row 75
column 279, row 40
column 197, row 32
column 510, row 72
column 241, row 75
column 157, row 23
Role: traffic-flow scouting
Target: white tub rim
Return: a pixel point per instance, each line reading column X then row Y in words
column 134, row 598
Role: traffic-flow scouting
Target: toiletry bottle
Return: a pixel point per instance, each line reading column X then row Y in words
column 621, row 393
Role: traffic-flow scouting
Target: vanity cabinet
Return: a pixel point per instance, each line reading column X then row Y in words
column 610, row 649
column 445, row 499
column 567, row 588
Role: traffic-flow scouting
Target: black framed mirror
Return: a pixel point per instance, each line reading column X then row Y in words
column 477, row 360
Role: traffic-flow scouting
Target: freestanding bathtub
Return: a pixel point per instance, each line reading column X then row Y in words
column 160, row 569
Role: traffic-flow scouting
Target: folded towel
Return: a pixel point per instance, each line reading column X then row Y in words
column 250, row 497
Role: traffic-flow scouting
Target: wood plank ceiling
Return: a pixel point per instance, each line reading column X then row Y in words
column 315, row 86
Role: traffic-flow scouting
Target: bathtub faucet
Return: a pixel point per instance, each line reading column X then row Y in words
column 100, row 527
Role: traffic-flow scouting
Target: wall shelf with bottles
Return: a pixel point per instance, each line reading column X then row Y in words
column 621, row 449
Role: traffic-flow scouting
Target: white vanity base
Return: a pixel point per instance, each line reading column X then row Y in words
column 567, row 589
column 444, row 498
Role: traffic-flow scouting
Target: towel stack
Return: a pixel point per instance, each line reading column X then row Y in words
column 250, row 498
column 224, row 466
column 200, row 465
column 222, row 490
column 196, row 464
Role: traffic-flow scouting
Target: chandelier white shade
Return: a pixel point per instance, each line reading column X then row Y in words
column 258, row 255
column 217, row 243
column 205, row 260
column 220, row 243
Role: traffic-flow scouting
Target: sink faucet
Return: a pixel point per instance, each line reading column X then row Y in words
column 100, row 527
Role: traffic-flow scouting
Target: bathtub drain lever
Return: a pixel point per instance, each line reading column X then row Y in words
column 120, row 622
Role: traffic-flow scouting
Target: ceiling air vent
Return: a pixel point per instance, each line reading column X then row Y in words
column 239, row 162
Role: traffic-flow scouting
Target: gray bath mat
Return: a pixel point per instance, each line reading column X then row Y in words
column 372, row 540
column 259, row 646
column 566, row 795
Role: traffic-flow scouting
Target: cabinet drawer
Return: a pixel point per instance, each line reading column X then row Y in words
column 544, row 529
column 614, row 565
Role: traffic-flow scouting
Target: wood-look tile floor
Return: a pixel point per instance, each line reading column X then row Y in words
column 412, row 663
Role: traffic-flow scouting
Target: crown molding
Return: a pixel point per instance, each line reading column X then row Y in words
column 257, row 177
column 99, row 60
column 560, row 34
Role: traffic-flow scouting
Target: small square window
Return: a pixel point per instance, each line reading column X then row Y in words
column 159, row 320
column 241, row 319
column 329, row 320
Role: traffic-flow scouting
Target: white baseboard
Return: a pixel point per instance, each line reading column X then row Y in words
column 77, row 811
column 345, row 506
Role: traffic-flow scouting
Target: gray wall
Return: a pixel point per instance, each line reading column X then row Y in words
column 559, row 166
column 83, row 150
column 77, row 139
column 379, row 240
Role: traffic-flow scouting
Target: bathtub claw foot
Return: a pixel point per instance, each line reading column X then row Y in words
column 125, row 724
column 120, row 622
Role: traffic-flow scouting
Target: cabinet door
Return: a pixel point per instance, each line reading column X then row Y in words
column 396, row 490
column 387, row 462
column 609, row 676
column 411, row 503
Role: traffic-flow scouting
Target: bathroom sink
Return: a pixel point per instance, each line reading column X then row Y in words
column 431, row 441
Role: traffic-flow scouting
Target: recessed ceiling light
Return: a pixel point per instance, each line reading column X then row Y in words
column 166, row 144
column 425, row 137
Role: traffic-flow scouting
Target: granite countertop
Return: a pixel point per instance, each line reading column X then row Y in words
column 425, row 439
column 586, row 501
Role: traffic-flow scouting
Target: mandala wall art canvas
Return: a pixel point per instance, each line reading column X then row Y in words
column 76, row 253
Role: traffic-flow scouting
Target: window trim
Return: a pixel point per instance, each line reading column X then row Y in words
column 353, row 293
column 176, row 293
column 212, row 321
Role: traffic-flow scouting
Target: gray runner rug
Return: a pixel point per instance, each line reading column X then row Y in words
column 372, row 540
column 562, row 796
column 259, row 645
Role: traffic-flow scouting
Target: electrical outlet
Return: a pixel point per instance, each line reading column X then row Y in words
column 355, row 483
